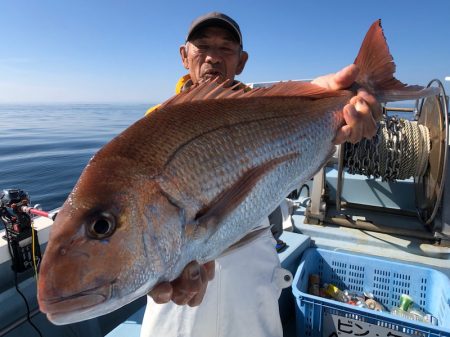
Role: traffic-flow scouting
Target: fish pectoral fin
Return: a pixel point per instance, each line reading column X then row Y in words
column 208, row 219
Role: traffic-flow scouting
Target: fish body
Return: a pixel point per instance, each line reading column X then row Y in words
column 188, row 181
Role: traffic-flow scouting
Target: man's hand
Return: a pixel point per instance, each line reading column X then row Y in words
column 189, row 288
column 360, row 114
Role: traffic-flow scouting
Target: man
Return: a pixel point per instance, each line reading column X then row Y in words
column 239, row 293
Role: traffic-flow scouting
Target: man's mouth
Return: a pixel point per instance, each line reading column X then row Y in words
column 211, row 73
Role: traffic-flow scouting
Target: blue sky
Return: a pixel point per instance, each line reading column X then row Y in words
column 127, row 51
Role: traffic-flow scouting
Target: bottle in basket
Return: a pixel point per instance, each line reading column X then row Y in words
column 336, row 293
column 314, row 284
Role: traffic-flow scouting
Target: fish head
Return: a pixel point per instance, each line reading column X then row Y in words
column 104, row 248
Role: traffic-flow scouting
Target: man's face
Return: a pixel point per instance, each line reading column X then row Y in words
column 213, row 53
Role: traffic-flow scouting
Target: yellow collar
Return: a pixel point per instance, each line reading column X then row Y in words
column 182, row 83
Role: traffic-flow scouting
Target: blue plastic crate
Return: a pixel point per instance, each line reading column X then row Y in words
column 386, row 279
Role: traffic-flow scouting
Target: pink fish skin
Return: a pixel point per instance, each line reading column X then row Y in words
column 192, row 178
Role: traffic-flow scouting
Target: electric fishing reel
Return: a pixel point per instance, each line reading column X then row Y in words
column 22, row 241
column 404, row 149
column 16, row 221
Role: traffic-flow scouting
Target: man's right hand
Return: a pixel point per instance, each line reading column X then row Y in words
column 189, row 288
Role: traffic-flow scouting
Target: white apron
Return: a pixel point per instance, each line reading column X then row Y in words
column 241, row 300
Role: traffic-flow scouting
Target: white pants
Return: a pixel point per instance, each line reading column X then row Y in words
column 241, row 300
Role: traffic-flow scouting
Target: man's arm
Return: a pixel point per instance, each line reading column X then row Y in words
column 359, row 115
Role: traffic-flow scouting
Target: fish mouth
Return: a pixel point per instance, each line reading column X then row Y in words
column 75, row 307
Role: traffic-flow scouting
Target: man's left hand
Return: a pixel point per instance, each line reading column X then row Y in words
column 189, row 288
column 360, row 114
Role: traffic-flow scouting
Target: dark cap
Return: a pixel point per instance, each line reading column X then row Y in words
column 215, row 19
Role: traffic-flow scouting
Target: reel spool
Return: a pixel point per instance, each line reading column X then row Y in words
column 403, row 149
column 433, row 113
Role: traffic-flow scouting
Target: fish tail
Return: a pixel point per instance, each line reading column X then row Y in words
column 377, row 68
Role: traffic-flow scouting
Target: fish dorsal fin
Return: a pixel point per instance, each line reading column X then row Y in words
column 376, row 70
column 212, row 90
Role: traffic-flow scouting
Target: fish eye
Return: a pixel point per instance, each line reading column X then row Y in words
column 101, row 226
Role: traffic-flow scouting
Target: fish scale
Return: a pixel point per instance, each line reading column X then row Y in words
column 278, row 183
column 266, row 137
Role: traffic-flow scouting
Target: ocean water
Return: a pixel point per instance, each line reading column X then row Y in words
column 44, row 148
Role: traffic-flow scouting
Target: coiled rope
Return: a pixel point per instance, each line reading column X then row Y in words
column 399, row 150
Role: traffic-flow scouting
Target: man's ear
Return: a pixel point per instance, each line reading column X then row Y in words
column 242, row 60
column 183, row 54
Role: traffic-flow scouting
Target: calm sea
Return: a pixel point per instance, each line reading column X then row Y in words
column 44, row 148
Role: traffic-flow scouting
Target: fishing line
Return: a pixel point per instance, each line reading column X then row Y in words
column 16, row 285
column 33, row 243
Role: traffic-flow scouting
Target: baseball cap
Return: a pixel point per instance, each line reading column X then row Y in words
column 215, row 19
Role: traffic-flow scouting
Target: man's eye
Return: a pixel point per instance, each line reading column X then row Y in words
column 230, row 51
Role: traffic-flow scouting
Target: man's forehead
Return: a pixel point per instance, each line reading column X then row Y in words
column 211, row 32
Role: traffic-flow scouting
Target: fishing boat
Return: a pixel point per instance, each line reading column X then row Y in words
column 373, row 223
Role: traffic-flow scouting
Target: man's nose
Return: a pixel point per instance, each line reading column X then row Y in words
column 213, row 56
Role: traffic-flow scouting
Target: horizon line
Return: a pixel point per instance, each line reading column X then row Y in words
column 73, row 102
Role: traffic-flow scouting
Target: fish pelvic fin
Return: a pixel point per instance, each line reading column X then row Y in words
column 208, row 219
column 376, row 70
